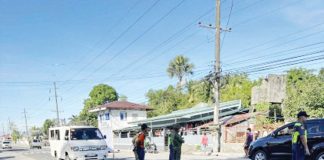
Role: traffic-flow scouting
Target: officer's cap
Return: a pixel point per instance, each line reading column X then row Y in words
column 302, row 113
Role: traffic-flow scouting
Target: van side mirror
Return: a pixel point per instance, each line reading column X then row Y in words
column 105, row 137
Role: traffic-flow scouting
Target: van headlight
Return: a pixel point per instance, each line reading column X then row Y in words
column 103, row 147
column 75, row 148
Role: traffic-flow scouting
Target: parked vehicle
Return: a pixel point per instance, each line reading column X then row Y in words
column 77, row 142
column 277, row 145
column 6, row 144
column 36, row 143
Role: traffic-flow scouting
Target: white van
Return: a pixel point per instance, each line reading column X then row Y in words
column 77, row 142
column 6, row 144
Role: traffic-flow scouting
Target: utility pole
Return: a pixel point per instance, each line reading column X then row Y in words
column 217, row 136
column 3, row 130
column 27, row 133
column 216, row 77
column 57, row 111
column 9, row 126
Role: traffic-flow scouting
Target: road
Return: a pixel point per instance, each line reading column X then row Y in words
column 21, row 152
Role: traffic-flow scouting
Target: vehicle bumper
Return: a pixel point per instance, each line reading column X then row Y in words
column 83, row 155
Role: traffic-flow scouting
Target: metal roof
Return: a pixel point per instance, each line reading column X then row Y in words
column 226, row 108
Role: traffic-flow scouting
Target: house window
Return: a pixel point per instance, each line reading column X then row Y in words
column 107, row 116
column 52, row 134
column 57, row 134
column 123, row 116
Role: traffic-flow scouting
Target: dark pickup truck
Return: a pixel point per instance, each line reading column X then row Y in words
column 277, row 145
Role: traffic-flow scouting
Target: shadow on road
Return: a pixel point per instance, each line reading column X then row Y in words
column 15, row 150
column 127, row 158
column 8, row 157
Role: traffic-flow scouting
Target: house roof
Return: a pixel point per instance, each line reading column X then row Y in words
column 121, row 105
column 200, row 111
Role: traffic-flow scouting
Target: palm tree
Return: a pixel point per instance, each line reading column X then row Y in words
column 180, row 67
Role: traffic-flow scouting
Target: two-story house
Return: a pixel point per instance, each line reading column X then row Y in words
column 117, row 115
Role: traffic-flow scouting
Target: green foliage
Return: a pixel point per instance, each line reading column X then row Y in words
column 180, row 67
column 99, row 95
column 305, row 91
column 262, row 107
column 123, row 98
column 166, row 101
column 237, row 86
column 200, row 91
column 48, row 123
column 15, row 135
column 35, row 131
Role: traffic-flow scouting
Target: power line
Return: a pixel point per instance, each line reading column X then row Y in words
column 117, row 23
column 275, row 53
column 119, row 37
column 136, row 39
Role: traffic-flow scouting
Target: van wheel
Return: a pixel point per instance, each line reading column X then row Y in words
column 259, row 155
column 320, row 156
column 67, row 157
column 55, row 154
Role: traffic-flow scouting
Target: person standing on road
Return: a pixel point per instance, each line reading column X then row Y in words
column 204, row 142
column 248, row 141
column 299, row 138
column 139, row 149
column 170, row 143
column 177, row 141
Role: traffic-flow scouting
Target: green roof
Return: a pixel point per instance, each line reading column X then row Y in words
column 201, row 111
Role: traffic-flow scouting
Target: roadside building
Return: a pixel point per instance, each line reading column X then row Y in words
column 117, row 115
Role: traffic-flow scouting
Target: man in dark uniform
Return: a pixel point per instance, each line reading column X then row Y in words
column 299, row 138
column 177, row 141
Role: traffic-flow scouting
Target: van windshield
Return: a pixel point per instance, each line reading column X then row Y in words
column 6, row 142
column 85, row 134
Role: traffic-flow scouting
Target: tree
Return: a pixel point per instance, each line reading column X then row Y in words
column 166, row 101
column 237, row 86
column 48, row 123
column 305, row 91
column 100, row 94
column 15, row 135
column 180, row 67
column 200, row 91
column 123, row 98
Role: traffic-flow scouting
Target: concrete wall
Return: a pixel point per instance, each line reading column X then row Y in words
column 271, row 90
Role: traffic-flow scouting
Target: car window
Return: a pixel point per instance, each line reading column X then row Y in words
column 315, row 128
column 285, row 131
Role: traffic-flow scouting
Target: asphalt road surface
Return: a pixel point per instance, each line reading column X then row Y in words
column 24, row 153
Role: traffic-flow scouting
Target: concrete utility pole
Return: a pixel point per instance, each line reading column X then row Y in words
column 217, row 137
column 57, row 111
column 26, row 124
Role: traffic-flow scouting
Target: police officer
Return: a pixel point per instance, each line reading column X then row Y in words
column 177, row 141
column 299, row 138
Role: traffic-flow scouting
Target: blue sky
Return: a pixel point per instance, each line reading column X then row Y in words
column 82, row 43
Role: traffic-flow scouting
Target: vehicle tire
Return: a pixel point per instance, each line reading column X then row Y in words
column 320, row 156
column 260, row 155
column 67, row 157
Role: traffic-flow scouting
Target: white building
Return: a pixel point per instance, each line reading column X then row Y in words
column 117, row 115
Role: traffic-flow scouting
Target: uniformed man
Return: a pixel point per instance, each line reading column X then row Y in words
column 299, row 138
column 177, row 141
